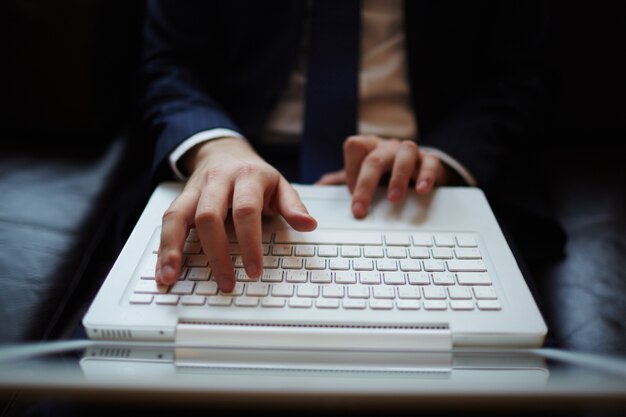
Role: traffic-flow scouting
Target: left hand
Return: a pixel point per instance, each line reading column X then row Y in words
column 367, row 158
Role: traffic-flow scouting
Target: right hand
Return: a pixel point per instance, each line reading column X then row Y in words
column 226, row 173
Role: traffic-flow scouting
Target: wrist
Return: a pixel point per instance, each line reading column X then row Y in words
column 201, row 151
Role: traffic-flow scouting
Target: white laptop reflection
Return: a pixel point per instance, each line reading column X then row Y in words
column 431, row 273
column 283, row 371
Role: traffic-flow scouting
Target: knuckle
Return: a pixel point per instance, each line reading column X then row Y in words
column 207, row 216
column 245, row 209
column 376, row 161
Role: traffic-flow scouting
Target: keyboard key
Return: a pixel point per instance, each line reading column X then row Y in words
column 444, row 240
column 220, row 300
column 489, row 304
column 421, row 239
column 459, row 293
column 461, row 304
column 192, row 248
column 383, row 292
column 369, row 278
column 327, row 251
column 332, row 291
column 300, row 302
column 467, row 253
column 350, row 251
column 197, row 260
column 141, row 298
column 292, row 262
column 321, row 277
column 270, row 262
column 206, row 288
column 345, row 277
column 272, row 275
column 198, row 274
column 242, row 276
column 354, row 304
column 315, row 263
column 362, row 264
column 281, row 250
column 394, row 278
column 358, row 292
column 407, row 305
column 434, row 266
column 272, row 302
column 327, row 303
column 339, row 264
column 443, row 278
column 282, row 290
column 308, row 290
column 409, row 293
column 435, row 305
column 466, row 265
column 329, row 237
column 295, row 276
column 246, row 301
column 397, row 239
column 373, row 252
column 192, row 300
column 381, row 304
column 410, row 265
column 182, row 288
column 419, row 253
column 257, row 289
column 485, row 293
column 396, row 253
column 150, row 287
column 442, row 253
column 237, row 290
column 418, row 278
column 471, row 278
column 304, row 250
column 434, row 293
column 386, row 265
column 166, row 299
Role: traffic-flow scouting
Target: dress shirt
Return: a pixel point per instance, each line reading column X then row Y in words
column 384, row 93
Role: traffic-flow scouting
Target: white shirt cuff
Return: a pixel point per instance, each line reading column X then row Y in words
column 200, row 137
column 452, row 163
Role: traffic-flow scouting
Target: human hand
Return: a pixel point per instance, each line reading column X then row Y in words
column 226, row 173
column 367, row 158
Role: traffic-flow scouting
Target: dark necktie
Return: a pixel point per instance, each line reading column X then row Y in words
column 332, row 86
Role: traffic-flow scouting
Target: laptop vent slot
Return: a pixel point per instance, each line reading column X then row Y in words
column 115, row 334
column 112, row 353
column 322, row 325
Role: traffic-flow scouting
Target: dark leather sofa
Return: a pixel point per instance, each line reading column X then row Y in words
column 73, row 172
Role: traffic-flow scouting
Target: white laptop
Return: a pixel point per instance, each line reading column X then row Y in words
column 430, row 273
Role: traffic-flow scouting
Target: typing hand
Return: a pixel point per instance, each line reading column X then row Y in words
column 367, row 158
column 226, row 173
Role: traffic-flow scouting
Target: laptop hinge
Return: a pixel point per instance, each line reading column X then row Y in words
column 418, row 338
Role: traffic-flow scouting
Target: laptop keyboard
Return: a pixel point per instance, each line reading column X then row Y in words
column 335, row 270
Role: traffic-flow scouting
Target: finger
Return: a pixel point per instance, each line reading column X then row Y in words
column 403, row 169
column 210, row 216
column 247, row 212
column 374, row 165
column 332, row 178
column 427, row 173
column 292, row 209
column 174, row 229
column 355, row 149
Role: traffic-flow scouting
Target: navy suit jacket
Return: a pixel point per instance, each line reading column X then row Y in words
column 478, row 72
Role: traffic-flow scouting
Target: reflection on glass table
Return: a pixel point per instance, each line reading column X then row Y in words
column 173, row 374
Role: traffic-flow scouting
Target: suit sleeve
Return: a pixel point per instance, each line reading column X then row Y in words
column 178, row 58
column 508, row 106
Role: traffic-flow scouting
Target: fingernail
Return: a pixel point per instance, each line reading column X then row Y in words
column 358, row 209
column 422, row 184
column 168, row 274
column 394, row 194
column 252, row 270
